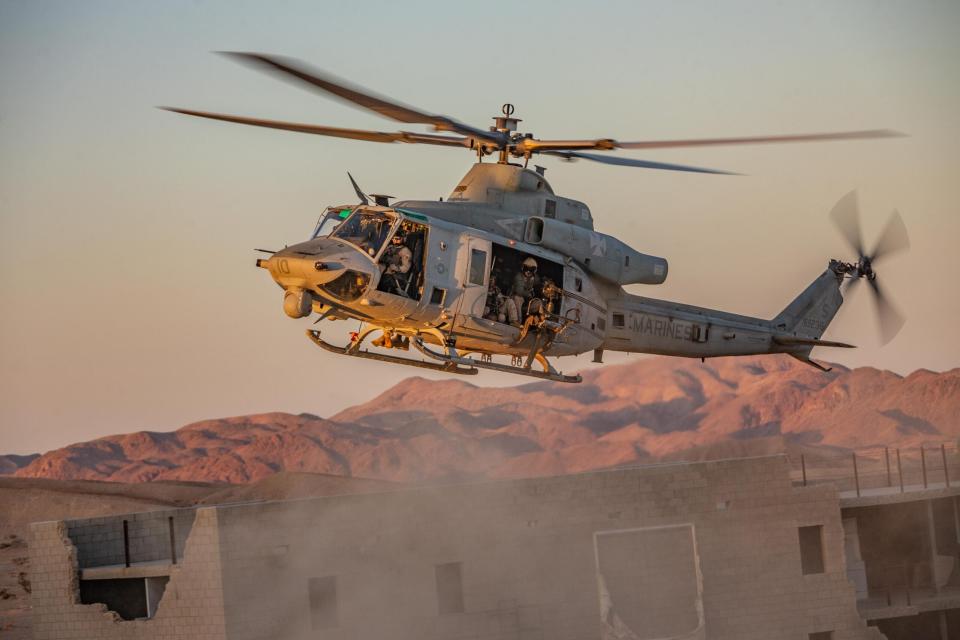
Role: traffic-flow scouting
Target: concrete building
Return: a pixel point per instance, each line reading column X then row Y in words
column 728, row 549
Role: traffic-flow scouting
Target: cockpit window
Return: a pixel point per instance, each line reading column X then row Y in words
column 367, row 230
column 329, row 221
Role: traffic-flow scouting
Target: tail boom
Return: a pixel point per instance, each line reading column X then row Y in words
column 645, row 325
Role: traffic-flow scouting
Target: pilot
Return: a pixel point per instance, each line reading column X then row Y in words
column 395, row 264
column 525, row 284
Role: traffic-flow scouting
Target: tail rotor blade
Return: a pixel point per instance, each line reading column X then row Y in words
column 846, row 217
column 893, row 238
column 850, row 286
column 889, row 317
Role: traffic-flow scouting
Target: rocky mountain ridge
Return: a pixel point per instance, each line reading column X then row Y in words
column 648, row 410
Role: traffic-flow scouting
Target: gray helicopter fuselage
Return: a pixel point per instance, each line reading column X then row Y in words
column 452, row 295
column 461, row 273
column 467, row 241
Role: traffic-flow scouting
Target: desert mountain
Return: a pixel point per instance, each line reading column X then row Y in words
column 650, row 409
column 10, row 463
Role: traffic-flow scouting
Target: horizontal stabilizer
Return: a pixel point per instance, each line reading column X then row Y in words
column 813, row 342
column 807, row 360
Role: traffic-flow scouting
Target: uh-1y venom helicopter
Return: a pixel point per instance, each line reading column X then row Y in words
column 448, row 277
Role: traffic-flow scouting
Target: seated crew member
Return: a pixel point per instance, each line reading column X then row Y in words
column 525, row 284
column 395, row 265
column 500, row 308
column 539, row 309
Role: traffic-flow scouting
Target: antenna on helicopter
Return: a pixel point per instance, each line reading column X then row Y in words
column 505, row 124
column 378, row 198
column 356, row 188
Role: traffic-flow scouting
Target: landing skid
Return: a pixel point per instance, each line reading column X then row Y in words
column 549, row 372
column 354, row 351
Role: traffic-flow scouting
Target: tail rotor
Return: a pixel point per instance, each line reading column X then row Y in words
column 893, row 238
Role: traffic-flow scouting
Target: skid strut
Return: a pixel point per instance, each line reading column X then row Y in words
column 452, row 358
column 354, row 350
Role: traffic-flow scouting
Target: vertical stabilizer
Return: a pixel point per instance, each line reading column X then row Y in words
column 811, row 312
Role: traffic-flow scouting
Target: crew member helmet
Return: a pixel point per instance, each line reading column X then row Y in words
column 529, row 264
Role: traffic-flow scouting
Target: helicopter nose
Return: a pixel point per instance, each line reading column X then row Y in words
column 318, row 269
column 289, row 269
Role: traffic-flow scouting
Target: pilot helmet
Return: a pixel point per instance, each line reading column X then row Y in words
column 529, row 265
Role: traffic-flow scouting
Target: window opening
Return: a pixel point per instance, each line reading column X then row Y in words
column 402, row 264
column 649, row 582
column 478, row 266
column 811, row 549
column 329, row 221
column 366, row 230
column 820, row 635
column 348, row 286
column 323, row 602
column 550, row 209
column 618, row 320
column 578, row 284
column 130, row 598
column 516, row 280
column 437, row 296
column 449, row 588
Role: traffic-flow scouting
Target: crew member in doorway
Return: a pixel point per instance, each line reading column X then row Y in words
column 500, row 308
column 395, row 264
column 525, row 284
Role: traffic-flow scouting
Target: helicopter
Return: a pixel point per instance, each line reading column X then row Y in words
column 507, row 268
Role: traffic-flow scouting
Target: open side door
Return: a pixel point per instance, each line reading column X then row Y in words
column 473, row 274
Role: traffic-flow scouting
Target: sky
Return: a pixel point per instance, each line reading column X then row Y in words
column 130, row 299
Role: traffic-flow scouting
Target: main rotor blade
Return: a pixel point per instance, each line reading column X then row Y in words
column 314, row 79
column 336, row 132
column 893, row 238
column 846, row 217
column 532, row 145
column 807, row 137
column 889, row 318
column 632, row 162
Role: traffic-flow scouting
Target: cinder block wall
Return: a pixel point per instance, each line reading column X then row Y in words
column 99, row 541
column 528, row 559
column 192, row 605
column 528, row 556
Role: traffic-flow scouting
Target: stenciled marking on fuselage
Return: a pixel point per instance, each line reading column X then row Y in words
column 813, row 324
column 661, row 327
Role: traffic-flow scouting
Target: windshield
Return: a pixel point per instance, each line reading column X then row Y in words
column 365, row 229
column 330, row 221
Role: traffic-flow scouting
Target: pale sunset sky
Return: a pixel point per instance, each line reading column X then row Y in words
column 129, row 294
